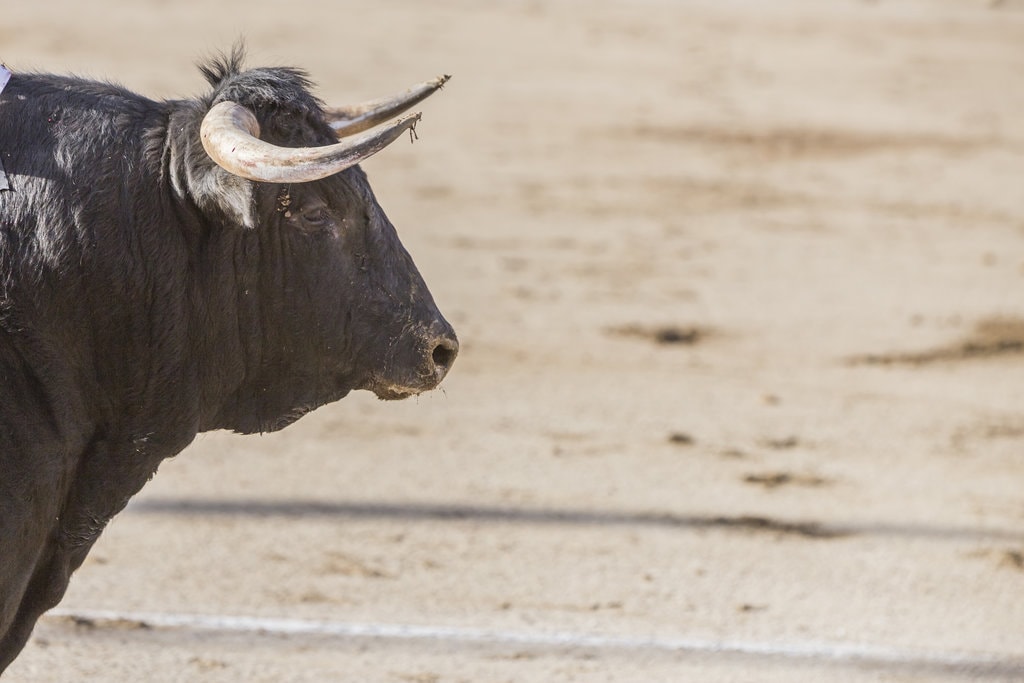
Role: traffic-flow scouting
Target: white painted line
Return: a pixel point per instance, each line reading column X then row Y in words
column 809, row 650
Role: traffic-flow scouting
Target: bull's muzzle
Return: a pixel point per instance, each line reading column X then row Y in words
column 422, row 366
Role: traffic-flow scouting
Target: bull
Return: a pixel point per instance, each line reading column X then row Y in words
column 171, row 267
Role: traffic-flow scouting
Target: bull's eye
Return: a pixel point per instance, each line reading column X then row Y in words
column 318, row 219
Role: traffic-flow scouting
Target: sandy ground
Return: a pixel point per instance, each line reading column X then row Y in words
column 739, row 286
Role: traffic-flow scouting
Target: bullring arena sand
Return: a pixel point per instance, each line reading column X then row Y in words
column 740, row 288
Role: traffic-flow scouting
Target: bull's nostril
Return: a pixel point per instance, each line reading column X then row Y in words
column 444, row 355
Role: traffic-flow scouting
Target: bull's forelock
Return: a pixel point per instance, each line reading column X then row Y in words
column 261, row 89
column 218, row 68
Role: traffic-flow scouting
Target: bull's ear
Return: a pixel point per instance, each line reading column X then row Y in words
column 193, row 174
column 216, row 190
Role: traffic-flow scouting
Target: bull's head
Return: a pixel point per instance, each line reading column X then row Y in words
column 328, row 299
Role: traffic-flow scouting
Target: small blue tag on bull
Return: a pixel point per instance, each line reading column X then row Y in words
column 5, row 75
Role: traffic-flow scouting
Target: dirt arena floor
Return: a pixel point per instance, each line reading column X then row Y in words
column 740, row 289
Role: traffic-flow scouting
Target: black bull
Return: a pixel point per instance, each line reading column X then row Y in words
column 148, row 293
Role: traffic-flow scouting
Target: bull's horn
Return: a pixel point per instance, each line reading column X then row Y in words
column 230, row 135
column 356, row 118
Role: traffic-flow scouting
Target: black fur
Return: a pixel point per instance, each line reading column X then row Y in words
column 146, row 295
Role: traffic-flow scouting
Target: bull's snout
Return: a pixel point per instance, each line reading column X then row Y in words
column 419, row 362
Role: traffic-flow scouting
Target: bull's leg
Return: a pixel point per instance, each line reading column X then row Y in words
column 38, row 597
column 33, row 487
column 45, row 590
column 104, row 482
column 20, row 564
column 43, row 441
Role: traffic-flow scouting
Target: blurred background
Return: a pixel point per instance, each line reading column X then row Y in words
column 739, row 290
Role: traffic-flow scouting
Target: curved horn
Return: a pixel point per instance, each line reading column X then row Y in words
column 355, row 118
column 230, row 135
